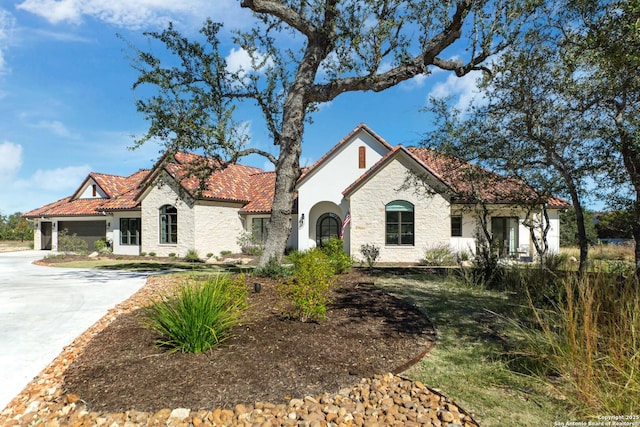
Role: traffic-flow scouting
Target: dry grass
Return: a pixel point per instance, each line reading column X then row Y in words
column 603, row 252
column 14, row 245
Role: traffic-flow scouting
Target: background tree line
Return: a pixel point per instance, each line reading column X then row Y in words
column 15, row 227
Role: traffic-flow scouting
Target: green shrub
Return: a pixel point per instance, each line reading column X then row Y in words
column 339, row 259
column 249, row 244
column 101, row 246
column 73, row 243
column 201, row 314
column 143, row 253
column 192, row 256
column 371, row 253
column 222, row 253
column 274, row 270
column 439, row 255
column 172, row 254
column 152, row 254
column 307, row 293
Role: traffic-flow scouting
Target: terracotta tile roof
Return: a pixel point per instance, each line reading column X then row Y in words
column 462, row 180
column 466, row 179
column 230, row 183
column 121, row 192
column 262, row 192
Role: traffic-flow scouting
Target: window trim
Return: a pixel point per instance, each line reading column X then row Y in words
column 167, row 236
column 400, row 206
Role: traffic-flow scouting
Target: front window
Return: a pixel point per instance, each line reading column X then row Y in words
column 456, row 226
column 259, row 229
column 399, row 223
column 327, row 228
column 168, row 224
column 505, row 235
column 129, row 231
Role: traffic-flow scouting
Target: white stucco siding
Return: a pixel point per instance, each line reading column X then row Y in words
column 156, row 197
column 88, row 191
column 432, row 224
column 466, row 242
column 553, row 237
column 327, row 182
column 217, row 228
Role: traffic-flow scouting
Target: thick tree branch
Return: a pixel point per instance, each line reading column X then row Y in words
column 282, row 12
column 418, row 65
column 248, row 151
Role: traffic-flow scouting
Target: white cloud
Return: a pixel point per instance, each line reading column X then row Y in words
column 10, row 160
column 56, row 127
column 240, row 61
column 132, row 14
column 67, row 178
column 7, row 24
column 44, row 186
column 463, row 89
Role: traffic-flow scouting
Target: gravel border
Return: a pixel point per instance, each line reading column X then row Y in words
column 383, row 400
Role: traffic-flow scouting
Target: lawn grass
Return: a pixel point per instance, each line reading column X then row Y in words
column 466, row 364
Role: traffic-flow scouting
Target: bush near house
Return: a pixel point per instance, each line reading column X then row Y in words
column 439, row 255
column 340, row 261
column 73, row 243
column 371, row 253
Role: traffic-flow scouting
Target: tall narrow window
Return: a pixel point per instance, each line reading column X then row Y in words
column 129, row 231
column 168, row 224
column 456, row 226
column 95, row 190
column 399, row 223
column 362, row 157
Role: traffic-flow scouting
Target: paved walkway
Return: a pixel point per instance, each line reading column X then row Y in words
column 43, row 309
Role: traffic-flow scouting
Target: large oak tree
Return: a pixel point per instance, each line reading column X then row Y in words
column 305, row 53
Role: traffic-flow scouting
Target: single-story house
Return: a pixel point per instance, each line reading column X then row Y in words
column 363, row 189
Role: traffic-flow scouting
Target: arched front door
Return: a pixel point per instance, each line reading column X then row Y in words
column 327, row 228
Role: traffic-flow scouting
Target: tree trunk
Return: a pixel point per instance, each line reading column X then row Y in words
column 287, row 174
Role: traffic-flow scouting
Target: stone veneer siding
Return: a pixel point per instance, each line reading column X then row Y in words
column 207, row 227
column 432, row 224
column 217, row 227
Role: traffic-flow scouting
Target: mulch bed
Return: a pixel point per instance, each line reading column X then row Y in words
column 269, row 358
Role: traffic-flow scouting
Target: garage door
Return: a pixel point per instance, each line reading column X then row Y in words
column 89, row 231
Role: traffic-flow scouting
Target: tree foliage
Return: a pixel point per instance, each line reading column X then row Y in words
column 569, row 232
column 15, row 227
column 561, row 109
column 304, row 54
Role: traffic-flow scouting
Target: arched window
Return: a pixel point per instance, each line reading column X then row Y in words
column 168, row 224
column 327, row 227
column 399, row 223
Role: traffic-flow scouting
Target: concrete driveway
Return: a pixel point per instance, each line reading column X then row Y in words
column 43, row 309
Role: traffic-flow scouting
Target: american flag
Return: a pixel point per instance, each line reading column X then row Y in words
column 347, row 220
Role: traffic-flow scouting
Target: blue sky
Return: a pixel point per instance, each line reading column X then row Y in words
column 67, row 104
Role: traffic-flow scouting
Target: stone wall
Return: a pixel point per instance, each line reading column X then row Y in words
column 432, row 215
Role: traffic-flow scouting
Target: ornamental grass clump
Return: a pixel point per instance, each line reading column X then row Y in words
column 200, row 315
column 307, row 293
